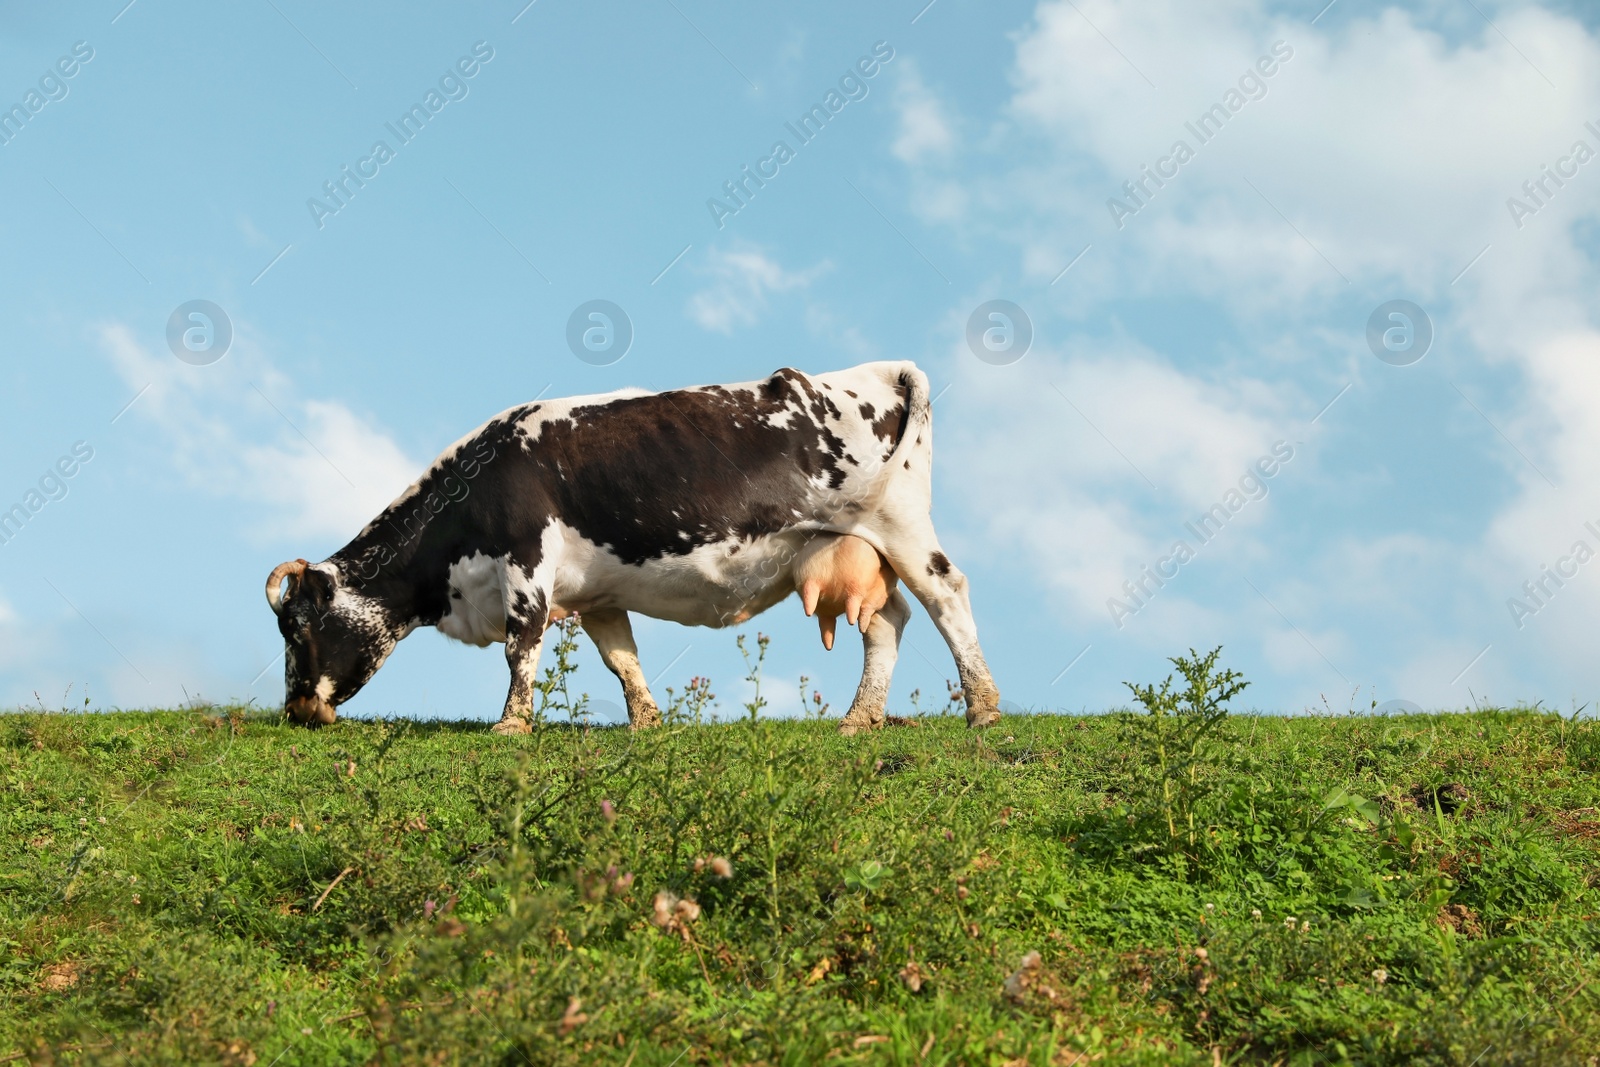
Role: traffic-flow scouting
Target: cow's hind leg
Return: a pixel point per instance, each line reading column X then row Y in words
column 613, row 636
column 882, row 642
column 919, row 561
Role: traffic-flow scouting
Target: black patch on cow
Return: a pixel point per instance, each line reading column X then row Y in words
column 851, row 393
column 939, row 565
column 908, row 464
column 867, row 411
column 317, row 588
column 890, row 427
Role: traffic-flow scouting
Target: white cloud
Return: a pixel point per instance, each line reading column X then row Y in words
column 1389, row 146
column 924, row 129
column 1055, row 455
column 311, row 468
column 1389, row 143
column 742, row 279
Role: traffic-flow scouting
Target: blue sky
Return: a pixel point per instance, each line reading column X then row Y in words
column 1174, row 346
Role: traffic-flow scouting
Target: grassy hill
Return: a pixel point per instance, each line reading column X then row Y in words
column 1166, row 886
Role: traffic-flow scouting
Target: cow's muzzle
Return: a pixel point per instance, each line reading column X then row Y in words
column 310, row 711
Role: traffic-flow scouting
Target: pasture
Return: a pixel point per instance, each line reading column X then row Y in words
column 1169, row 884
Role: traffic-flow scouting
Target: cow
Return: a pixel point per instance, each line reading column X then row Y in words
column 691, row 505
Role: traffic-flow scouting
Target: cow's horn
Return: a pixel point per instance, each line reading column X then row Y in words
column 293, row 571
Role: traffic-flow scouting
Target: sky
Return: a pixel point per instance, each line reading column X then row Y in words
column 1297, row 349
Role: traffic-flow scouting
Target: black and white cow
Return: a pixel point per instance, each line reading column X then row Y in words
column 689, row 505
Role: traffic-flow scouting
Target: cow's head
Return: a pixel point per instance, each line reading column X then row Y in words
column 336, row 639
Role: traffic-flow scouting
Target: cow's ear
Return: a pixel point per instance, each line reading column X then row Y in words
column 318, row 587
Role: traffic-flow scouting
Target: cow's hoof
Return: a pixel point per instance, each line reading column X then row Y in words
column 982, row 720
column 509, row 727
column 645, row 722
column 855, row 724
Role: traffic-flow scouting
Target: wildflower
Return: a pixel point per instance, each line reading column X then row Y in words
column 623, row 882
column 820, row 971
column 1211, row 907
column 83, row 822
column 721, row 867
column 1202, row 955
column 1255, row 913
column 574, row 1016
column 427, row 910
column 699, row 864
column 1305, row 927
column 350, row 769
column 1380, row 976
column 102, row 820
column 1018, row 980
column 1291, row 922
column 608, row 811
column 662, row 909
column 686, row 911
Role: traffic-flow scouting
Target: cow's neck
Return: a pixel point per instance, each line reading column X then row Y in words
column 380, row 565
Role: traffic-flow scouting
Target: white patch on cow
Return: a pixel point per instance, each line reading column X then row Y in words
column 325, row 689
column 709, row 586
column 355, row 607
column 477, row 614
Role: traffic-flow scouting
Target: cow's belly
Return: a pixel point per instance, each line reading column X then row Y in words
column 720, row 584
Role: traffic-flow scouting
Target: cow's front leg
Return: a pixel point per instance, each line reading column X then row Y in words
column 882, row 643
column 523, row 643
column 613, row 636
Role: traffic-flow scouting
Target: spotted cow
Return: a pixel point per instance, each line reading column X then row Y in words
column 692, row 505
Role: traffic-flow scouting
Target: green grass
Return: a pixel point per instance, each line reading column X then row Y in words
column 216, row 886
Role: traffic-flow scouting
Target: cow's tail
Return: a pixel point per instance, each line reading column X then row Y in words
column 917, row 430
